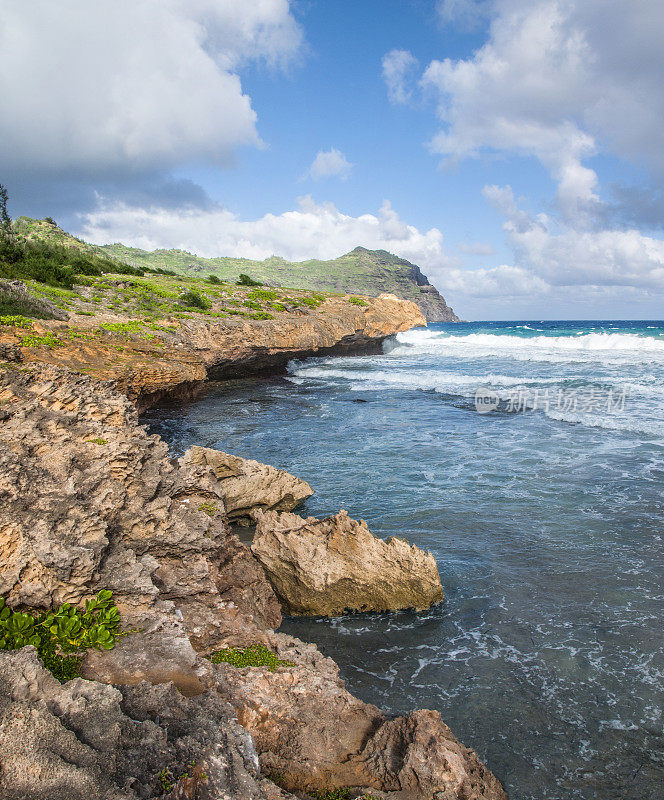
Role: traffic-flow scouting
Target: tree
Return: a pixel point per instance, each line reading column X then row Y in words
column 5, row 219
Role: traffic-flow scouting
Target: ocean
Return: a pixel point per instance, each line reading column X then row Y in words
column 529, row 458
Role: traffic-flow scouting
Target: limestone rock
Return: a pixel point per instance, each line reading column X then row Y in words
column 336, row 565
column 90, row 500
column 85, row 740
column 311, row 731
column 247, row 485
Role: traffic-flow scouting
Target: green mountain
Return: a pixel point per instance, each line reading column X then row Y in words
column 362, row 271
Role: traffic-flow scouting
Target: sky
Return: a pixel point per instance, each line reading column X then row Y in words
column 513, row 149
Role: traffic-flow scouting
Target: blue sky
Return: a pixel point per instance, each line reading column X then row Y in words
column 512, row 149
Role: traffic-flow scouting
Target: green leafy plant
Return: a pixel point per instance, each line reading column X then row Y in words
column 193, row 299
column 263, row 294
column 213, row 279
column 97, row 441
column 357, row 301
column 256, row 655
column 62, row 636
column 209, row 507
column 49, row 340
column 245, row 280
column 16, row 321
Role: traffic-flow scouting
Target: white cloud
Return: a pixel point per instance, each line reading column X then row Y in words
column 132, row 85
column 399, row 67
column 465, row 13
column 564, row 256
column 310, row 231
column 477, row 249
column 558, row 79
column 329, row 164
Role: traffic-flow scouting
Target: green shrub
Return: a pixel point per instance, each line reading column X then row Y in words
column 122, row 328
column 263, row 294
column 16, row 321
column 357, row 301
column 49, row 340
column 62, row 636
column 310, row 301
column 245, row 280
column 262, row 315
column 213, row 279
column 193, row 299
column 256, row 655
column 252, row 304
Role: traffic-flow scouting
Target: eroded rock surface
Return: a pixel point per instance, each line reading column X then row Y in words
column 309, row 730
column 247, row 485
column 85, row 740
column 335, row 565
column 90, row 500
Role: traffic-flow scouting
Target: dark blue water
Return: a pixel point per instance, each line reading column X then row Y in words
column 545, row 516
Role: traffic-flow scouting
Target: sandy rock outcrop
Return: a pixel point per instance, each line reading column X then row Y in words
column 336, row 565
column 247, row 485
column 85, row 740
column 178, row 362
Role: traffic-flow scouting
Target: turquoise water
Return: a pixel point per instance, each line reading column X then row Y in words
column 545, row 516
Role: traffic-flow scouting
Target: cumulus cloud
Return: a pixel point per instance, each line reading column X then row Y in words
column 132, row 85
column 399, row 68
column 477, row 249
column 464, row 13
column 558, row 79
column 563, row 256
column 329, row 164
column 311, row 231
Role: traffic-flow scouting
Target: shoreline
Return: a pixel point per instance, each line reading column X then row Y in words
column 181, row 610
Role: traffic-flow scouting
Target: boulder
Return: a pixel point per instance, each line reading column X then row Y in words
column 336, row 565
column 245, row 485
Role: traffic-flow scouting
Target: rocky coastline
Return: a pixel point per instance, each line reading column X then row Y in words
column 90, row 500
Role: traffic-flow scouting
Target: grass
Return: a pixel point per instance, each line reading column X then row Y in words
column 256, row 655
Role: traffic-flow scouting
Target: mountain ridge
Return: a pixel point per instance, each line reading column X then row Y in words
column 361, row 271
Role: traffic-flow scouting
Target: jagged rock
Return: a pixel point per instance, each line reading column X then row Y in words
column 89, row 500
column 247, row 485
column 336, row 565
column 85, row 740
column 308, row 729
column 15, row 294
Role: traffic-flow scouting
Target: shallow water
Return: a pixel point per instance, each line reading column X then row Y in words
column 545, row 516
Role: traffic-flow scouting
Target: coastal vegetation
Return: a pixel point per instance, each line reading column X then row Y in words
column 255, row 655
column 61, row 637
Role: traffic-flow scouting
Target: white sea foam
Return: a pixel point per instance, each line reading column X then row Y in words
column 581, row 347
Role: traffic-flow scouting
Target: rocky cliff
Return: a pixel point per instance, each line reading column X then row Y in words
column 139, row 334
column 89, row 499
